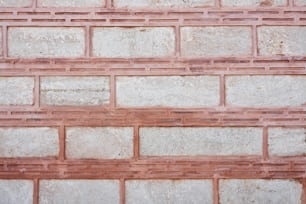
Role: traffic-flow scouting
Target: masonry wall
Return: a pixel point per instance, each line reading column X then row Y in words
column 170, row 101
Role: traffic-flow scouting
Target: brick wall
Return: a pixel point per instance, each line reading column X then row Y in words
column 170, row 101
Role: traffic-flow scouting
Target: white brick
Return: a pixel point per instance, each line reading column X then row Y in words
column 16, row 90
column 287, row 141
column 300, row 2
column 265, row 90
column 44, row 42
column 89, row 91
column 79, row 191
column 257, row 191
column 71, row 3
column 216, row 41
column 181, row 141
column 169, row 191
column 282, row 40
column 16, row 191
column 178, row 91
column 29, row 142
column 164, row 3
column 99, row 142
column 15, row 3
column 237, row 3
column 133, row 42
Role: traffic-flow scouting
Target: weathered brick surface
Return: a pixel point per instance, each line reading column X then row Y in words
column 15, row 3
column 82, row 91
column 237, row 3
column 215, row 41
column 16, row 191
column 178, row 141
column 287, row 141
column 71, row 3
column 168, row 3
column 169, row 191
column 99, row 142
column 282, row 40
column 265, row 91
column 112, row 42
column 79, row 191
column 175, row 100
column 16, row 90
column 173, row 91
column 29, row 142
column 30, row 42
column 259, row 191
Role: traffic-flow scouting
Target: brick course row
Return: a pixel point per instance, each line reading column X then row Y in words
column 153, row 191
column 118, row 142
column 147, row 42
column 157, row 91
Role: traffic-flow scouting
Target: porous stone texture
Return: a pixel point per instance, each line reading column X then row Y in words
column 29, row 142
column 287, row 141
column 16, row 191
column 44, row 42
column 16, row 90
column 264, row 91
column 169, row 191
column 178, row 91
column 79, row 191
column 300, row 2
column 112, row 42
column 216, row 41
column 99, row 142
column 15, row 3
column 71, row 3
column 180, row 141
column 82, row 91
column 257, row 191
column 164, row 3
column 282, row 40
column 237, row 3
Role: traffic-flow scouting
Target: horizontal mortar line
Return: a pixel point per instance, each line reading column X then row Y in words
column 159, row 15
column 147, row 24
column 72, row 10
column 147, row 123
column 209, row 60
column 159, row 72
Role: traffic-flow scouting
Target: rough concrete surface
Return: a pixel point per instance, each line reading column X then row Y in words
column 264, row 91
column 178, row 91
column 16, row 90
column 82, row 91
column 216, row 41
column 237, row 3
column 258, row 191
column 287, row 141
column 15, row 3
column 113, row 42
column 169, row 191
column 163, row 3
column 282, row 40
column 184, row 141
column 29, row 142
column 71, row 3
column 79, row 191
column 44, row 42
column 99, row 142
column 16, row 191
